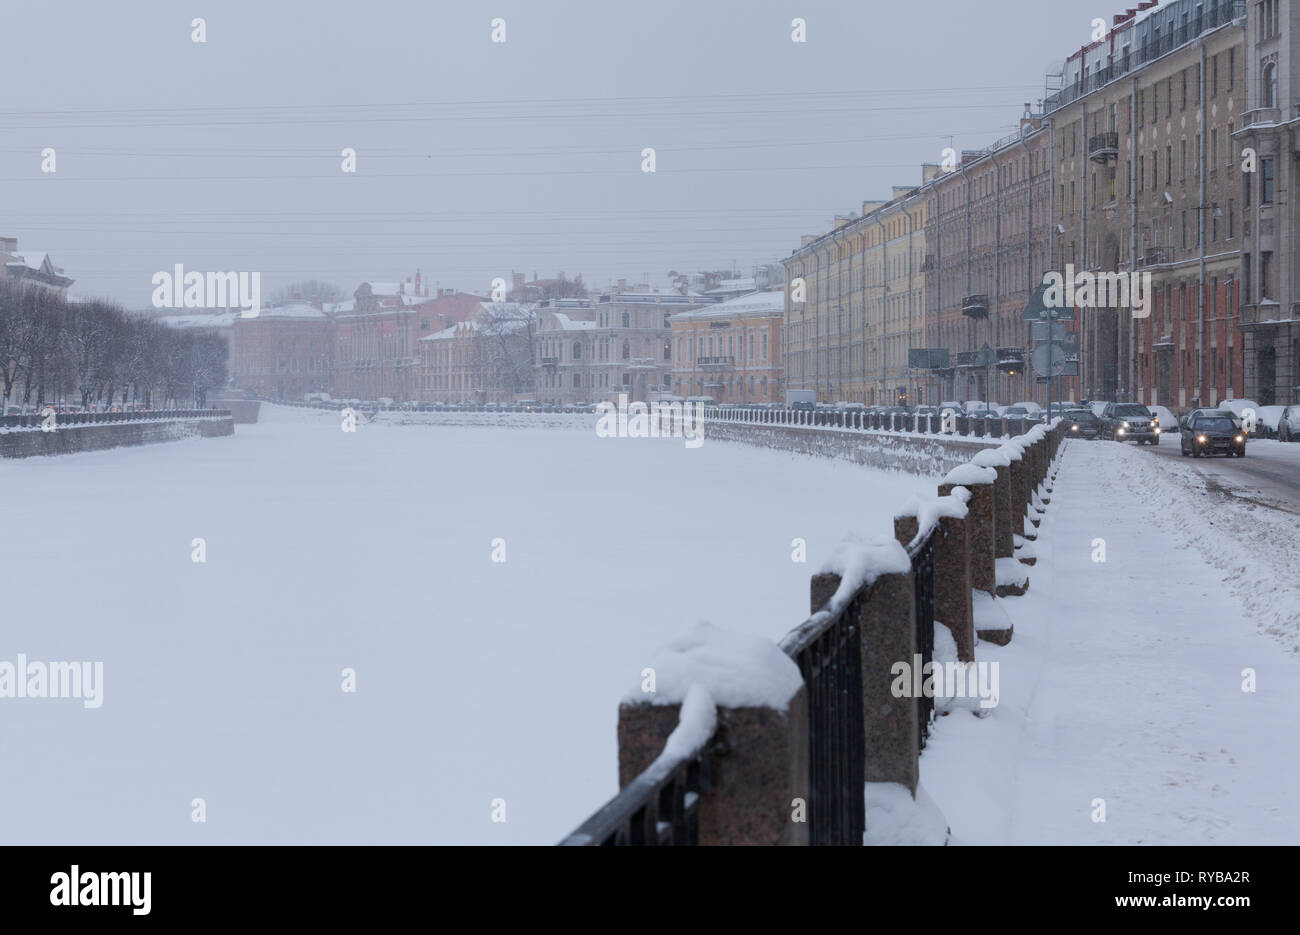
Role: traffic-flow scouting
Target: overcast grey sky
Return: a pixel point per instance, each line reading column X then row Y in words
column 477, row 158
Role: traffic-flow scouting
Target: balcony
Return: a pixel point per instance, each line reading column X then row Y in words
column 975, row 306
column 968, row 360
column 1261, row 117
column 717, row 361
column 1011, row 359
column 550, row 361
column 1104, row 147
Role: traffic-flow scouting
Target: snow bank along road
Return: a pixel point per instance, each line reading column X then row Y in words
column 1123, row 685
column 327, row 550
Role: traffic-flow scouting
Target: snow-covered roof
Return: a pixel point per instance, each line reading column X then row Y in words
column 334, row 308
column 293, row 310
column 754, row 305
column 29, row 259
column 566, row 323
column 218, row 320
column 384, row 288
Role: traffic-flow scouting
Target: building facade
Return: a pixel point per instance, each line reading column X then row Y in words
column 1270, row 256
column 1147, row 181
column 283, row 353
column 730, row 351
column 626, row 349
column 855, row 304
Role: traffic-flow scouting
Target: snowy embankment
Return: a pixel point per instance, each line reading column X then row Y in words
column 373, row 551
column 1122, row 690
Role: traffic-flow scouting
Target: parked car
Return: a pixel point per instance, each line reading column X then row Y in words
column 1082, row 423
column 1165, row 419
column 1018, row 411
column 1239, row 406
column 1213, row 433
column 1059, row 408
column 1268, row 420
column 1288, row 427
column 1127, row 422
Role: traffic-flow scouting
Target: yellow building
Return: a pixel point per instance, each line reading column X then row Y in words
column 855, row 304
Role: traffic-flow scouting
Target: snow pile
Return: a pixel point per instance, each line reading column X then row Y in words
column 738, row 670
column 860, row 563
column 894, row 817
column 971, row 473
column 929, row 510
column 991, row 458
column 1009, row 572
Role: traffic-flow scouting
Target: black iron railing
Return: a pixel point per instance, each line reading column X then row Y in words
column 827, row 648
column 660, row 807
column 61, row 419
column 921, row 552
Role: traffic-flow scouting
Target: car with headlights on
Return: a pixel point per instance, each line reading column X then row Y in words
column 1212, row 434
column 1081, row 423
column 1129, row 422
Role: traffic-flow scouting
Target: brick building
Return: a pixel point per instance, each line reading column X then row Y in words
column 283, row 353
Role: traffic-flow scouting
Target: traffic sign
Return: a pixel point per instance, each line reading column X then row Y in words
column 1048, row 359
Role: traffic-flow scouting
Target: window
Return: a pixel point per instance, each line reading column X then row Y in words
column 577, row 351
column 1268, row 86
column 1232, row 210
column 627, row 350
column 1214, row 150
column 1232, row 66
column 668, row 354
column 577, row 380
column 627, row 320
column 1265, row 269
column 1214, row 76
column 1266, row 180
column 1182, row 172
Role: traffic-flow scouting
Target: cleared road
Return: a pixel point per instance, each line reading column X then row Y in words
column 1269, row 475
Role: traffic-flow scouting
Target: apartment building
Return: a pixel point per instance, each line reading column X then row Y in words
column 1147, row 179
column 1270, row 224
column 855, row 304
column 990, row 244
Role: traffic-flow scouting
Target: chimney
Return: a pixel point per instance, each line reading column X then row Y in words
column 417, row 281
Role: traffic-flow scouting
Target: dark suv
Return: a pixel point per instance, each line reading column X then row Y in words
column 1127, row 422
column 1215, row 433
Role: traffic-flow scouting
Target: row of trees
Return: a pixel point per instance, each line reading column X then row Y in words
column 55, row 350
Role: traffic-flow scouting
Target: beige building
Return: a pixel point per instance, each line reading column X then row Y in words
column 730, row 351
column 855, row 304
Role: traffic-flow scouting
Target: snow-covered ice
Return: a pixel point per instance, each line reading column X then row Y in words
column 328, row 550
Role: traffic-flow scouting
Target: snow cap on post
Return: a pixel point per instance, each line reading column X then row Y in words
column 969, row 474
column 992, row 458
column 860, row 563
column 737, row 670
